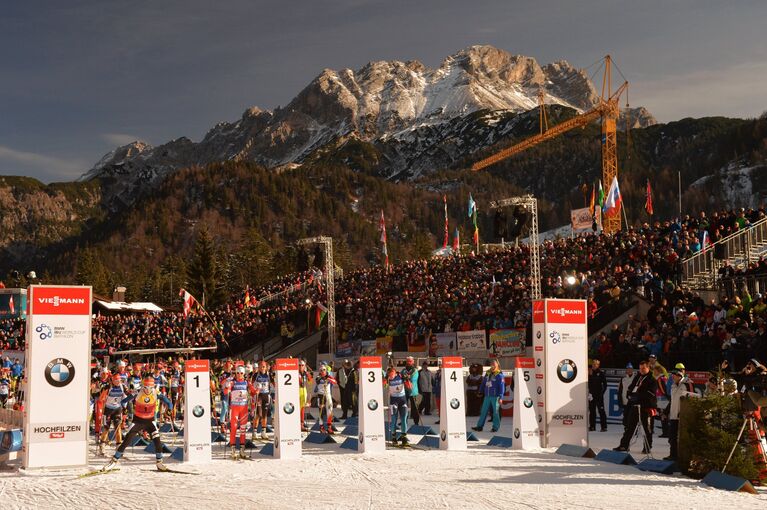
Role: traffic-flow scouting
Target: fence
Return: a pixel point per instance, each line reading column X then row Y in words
column 740, row 248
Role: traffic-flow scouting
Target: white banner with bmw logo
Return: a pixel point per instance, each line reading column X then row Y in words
column 371, row 409
column 566, row 372
column 525, row 423
column 287, row 421
column 452, row 411
column 197, row 447
column 58, row 340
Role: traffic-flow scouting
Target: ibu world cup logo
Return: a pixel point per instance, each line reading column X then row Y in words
column 372, row 404
column 567, row 370
column 198, row 411
column 455, row 403
column 59, row 372
column 555, row 338
column 288, row 408
column 528, row 402
column 44, row 332
column 538, row 362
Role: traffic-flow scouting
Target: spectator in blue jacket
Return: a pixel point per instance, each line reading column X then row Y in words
column 493, row 387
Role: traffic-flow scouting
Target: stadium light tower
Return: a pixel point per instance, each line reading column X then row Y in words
column 530, row 203
column 327, row 249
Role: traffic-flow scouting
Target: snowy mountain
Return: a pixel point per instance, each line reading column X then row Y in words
column 411, row 113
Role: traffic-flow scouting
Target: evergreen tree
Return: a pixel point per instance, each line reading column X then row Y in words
column 204, row 273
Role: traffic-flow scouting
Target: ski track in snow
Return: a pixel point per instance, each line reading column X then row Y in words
column 327, row 477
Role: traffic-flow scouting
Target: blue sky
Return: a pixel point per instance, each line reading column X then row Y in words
column 82, row 76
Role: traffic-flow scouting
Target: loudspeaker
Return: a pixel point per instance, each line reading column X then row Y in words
column 572, row 450
column 614, row 457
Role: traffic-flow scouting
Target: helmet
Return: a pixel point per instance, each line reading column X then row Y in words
column 148, row 382
column 241, row 369
column 116, row 378
column 679, row 366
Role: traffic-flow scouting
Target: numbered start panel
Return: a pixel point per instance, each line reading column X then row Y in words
column 452, row 413
column 371, row 406
column 526, row 436
column 287, row 416
column 197, row 447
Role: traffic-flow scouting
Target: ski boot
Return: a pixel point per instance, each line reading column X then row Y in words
column 161, row 465
column 263, row 435
column 323, row 430
column 101, row 450
column 404, row 440
column 233, row 454
column 331, row 429
column 112, row 464
column 242, row 452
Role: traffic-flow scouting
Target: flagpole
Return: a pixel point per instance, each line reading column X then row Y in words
column 625, row 218
column 679, row 175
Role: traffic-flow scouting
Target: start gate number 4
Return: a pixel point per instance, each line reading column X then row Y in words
column 452, row 414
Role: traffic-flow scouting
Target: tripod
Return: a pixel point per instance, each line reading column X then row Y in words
column 640, row 427
column 750, row 421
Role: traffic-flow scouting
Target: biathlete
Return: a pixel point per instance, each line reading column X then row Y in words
column 397, row 405
column 239, row 396
column 304, row 378
column 143, row 421
column 114, row 399
column 262, row 383
column 323, row 388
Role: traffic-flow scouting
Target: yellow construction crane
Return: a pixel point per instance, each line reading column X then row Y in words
column 607, row 109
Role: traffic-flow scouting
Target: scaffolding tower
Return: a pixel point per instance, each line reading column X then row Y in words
column 530, row 203
column 329, row 271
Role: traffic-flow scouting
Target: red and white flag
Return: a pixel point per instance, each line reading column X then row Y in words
column 10, row 305
column 648, row 199
column 447, row 233
column 189, row 300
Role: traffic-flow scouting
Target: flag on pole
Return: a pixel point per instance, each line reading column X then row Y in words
column 456, row 241
column 472, row 205
column 321, row 312
column 601, row 194
column 447, row 233
column 648, row 200
column 189, row 300
column 382, row 228
column 247, row 298
column 612, row 204
column 593, row 198
column 10, row 305
column 476, row 229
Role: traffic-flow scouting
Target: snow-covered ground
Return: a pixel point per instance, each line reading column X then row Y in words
column 330, row 477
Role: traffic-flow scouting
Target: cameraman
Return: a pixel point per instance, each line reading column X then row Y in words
column 642, row 402
column 750, row 384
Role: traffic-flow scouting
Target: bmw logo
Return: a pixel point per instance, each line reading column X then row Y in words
column 59, row 372
column 538, row 335
column 555, row 338
column 566, row 370
column 455, row 404
column 198, row 411
column 516, row 433
column 528, row 402
column 540, row 418
column 288, row 408
column 372, row 404
column 276, row 442
column 538, row 362
column 539, row 390
column 362, row 438
column 44, row 332
column 443, row 435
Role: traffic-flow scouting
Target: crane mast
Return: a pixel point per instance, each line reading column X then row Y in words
column 607, row 109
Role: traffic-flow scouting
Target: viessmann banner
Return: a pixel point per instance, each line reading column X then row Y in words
column 566, row 372
column 57, row 376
